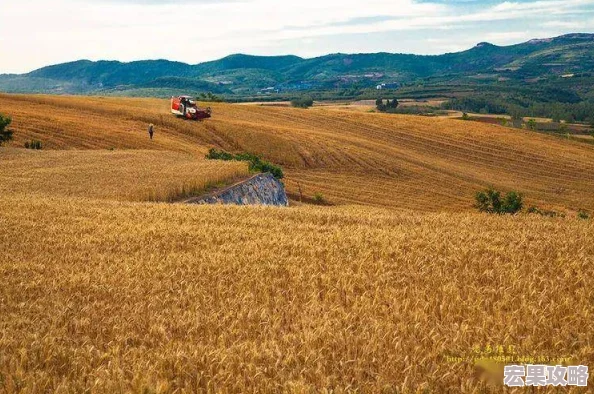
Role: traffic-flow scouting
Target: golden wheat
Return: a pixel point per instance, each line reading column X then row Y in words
column 364, row 158
column 129, row 297
column 122, row 175
column 103, row 293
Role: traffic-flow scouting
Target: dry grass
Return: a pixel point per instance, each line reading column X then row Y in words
column 101, row 294
column 373, row 159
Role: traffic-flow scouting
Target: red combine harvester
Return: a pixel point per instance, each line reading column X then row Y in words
column 186, row 107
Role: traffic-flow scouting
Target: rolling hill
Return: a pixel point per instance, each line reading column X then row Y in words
column 244, row 75
column 350, row 157
column 397, row 286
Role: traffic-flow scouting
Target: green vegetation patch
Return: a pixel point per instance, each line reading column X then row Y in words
column 256, row 164
column 491, row 201
column 5, row 134
column 302, row 102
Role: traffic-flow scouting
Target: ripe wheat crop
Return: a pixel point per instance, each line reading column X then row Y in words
column 110, row 297
column 131, row 175
column 103, row 290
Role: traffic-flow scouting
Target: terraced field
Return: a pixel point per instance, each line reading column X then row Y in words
column 372, row 159
column 107, row 289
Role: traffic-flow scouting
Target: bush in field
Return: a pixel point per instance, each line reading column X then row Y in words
column 34, row 144
column 302, row 102
column 388, row 106
column 583, row 214
column 319, row 198
column 214, row 154
column 544, row 212
column 210, row 97
column 5, row 134
column 255, row 163
column 491, row 201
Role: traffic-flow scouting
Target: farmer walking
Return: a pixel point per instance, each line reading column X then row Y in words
column 151, row 130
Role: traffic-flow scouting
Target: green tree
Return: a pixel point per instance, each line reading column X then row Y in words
column 379, row 104
column 531, row 124
column 302, row 102
column 5, row 134
column 512, row 203
column 490, row 201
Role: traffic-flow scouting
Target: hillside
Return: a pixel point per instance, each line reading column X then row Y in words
column 397, row 285
column 245, row 76
column 350, row 157
column 134, row 297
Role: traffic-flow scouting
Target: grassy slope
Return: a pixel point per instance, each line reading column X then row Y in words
column 375, row 159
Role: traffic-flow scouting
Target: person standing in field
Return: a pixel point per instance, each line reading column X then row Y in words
column 151, row 130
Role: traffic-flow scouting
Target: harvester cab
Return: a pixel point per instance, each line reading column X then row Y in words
column 185, row 107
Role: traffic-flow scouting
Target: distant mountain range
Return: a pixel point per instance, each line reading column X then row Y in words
column 238, row 75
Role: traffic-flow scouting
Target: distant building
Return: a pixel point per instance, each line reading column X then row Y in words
column 270, row 89
column 392, row 85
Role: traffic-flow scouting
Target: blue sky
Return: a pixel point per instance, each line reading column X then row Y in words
column 35, row 33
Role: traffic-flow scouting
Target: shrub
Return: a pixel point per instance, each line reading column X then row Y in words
column 214, row 154
column 389, row 106
column 319, row 198
column 583, row 214
column 264, row 166
column 210, row 97
column 465, row 116
column 5, row 134
column 34, row 144
column 490, row 201
column 302, row 102
column 543, row 212
column 255, row 163
column 512, row 203
column 534, row 209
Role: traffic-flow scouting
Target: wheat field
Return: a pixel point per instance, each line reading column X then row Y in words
column 406, row 162
column 400, row 287
column 124, row 175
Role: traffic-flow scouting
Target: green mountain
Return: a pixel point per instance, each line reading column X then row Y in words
column 552, row 62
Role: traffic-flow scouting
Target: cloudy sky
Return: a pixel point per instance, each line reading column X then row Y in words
column 35, row 33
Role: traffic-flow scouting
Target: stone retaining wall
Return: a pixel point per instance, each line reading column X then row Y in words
column 261, row 189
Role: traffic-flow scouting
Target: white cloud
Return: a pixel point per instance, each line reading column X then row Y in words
column 575, row 25
column 36, row 32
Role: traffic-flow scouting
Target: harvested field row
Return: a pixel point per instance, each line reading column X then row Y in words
column 409, row 162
